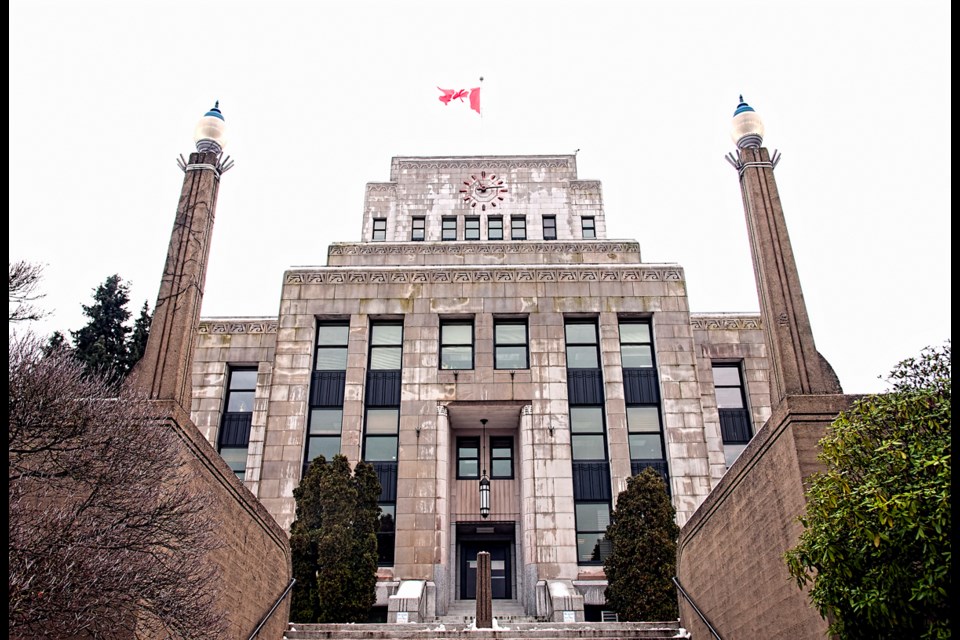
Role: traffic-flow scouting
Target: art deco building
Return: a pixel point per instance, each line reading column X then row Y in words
column 504, row 366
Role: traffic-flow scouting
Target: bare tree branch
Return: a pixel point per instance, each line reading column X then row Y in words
column 24, row 279
column 107, row 537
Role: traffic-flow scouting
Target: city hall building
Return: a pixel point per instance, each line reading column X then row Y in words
column 503, row 365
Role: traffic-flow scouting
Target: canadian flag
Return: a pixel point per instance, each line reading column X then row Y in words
column 459, row 94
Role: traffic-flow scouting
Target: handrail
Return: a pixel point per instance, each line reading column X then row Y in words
column 695, row 608
column 276, row 604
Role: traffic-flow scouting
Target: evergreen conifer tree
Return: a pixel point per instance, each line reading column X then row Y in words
column 334, row 542
column 102, row 344
column 137, row 343
column 304, row 533
column 643, row 536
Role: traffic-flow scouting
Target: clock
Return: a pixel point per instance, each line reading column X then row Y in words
column 483, row 191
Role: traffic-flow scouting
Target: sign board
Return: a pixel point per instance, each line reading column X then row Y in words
column 569, row 616
column 403, row 616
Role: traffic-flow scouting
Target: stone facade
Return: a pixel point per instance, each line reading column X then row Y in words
column 553, row 267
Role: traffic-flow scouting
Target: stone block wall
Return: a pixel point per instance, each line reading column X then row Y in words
column 730, row 553
column 255, row 556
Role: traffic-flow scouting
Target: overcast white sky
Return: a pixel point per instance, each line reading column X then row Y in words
column 319, row 96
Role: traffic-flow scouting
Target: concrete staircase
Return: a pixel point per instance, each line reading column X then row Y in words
column 463, row 612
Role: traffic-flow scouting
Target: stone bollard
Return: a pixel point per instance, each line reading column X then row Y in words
column 484, row 618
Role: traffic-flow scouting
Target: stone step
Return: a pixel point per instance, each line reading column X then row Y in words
column 501, row 631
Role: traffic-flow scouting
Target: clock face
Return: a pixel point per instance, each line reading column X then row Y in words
column 483, row 191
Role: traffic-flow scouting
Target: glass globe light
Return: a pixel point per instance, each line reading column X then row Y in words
column 747, row 131
column 210, row 132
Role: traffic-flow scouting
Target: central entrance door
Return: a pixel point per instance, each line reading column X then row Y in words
column 497, row 538
column 500, row 576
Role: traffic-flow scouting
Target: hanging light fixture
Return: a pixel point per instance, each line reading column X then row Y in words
column 484, row 480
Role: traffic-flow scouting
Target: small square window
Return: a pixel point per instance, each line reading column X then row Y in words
column 468, row 458
column 495, row 228
column 588, row 226
column 471, row 228
column 449, row 229
column 456, row 344
column 418, row 229
column 518, row 227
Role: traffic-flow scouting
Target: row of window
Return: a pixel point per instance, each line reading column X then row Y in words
column 469, row 462
column 592, row 494
column 449, row 228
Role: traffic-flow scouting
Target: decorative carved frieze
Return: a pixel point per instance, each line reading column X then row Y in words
column 237, row 326
column 585, row 185
column 444, row 275
column 725, row 322
column 488, row 163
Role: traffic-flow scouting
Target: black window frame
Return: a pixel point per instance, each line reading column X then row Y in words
column 595, row 344
column 494, row 223
column 345, row 347
column 379, row 227
column 445, row 222
column 602, row 545
column 472, row 343
column 390, row 346
column 552, row 227
column 418, row 223
column 464, row 442
column 514, row 228
column 237, row 417
column 501, row 442
column 592, row 228
column 467, row 222
column 321, row 401
column 497, row 322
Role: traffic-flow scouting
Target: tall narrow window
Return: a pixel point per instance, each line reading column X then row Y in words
column 418, row 229
column 379, row 228
column 735, row 427
column 592, row 494
column 456, row 344
column 510, row 344
column 501, row 457
column 642, row 395
column 325, row 420
column 495, row 228
column 518, row 227
column 589, row 229
column 237, row 417
column 382, row 424
column 449, row 229
column 471, row 228
column 549, row 227
column 468, row 458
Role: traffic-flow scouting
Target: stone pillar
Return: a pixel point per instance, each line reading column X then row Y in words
column 797, row 367
column 484, row 618
column 164, row 372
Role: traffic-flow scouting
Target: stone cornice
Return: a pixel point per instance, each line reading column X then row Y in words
column 722, row 321
column 461, row 248
column 447, row 274
column 231, row 325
